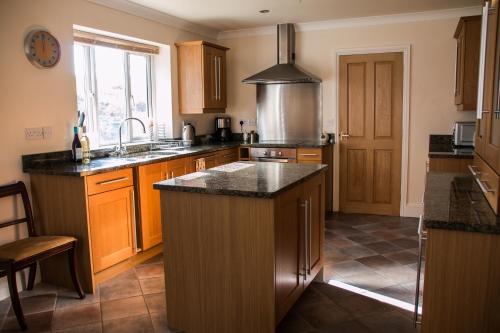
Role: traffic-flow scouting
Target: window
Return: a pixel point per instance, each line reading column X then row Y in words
column 112, row 84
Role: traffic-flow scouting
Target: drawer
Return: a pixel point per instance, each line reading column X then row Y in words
column 487, row 180
column 309, row 154
column 109, row 181
column 227, row 156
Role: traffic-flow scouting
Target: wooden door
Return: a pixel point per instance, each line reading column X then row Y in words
column 149, row 203
column 314, row 194
column 371, row 103
column 111, row 216
column 289, row 249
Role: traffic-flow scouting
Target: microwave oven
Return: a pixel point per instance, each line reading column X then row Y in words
column 463, row 133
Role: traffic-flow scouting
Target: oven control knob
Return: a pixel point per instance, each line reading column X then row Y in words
column 264, row 153
column 280, row 153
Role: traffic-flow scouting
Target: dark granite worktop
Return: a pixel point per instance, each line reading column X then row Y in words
column 53, row 164
column 259, row 180
column 454, row 201
column 441, row 146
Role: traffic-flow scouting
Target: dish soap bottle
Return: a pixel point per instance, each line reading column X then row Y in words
column 76, row 146
column 85, row 142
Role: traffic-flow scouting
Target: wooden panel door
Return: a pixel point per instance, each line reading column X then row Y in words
column 149, row 203
column 314, row 194
column 289, row 249
column 111, row 216
column 371, row 103
column 214, row 78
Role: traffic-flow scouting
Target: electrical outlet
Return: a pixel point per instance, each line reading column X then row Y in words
column 47, row 132
column 34, row 133
column 252, row 122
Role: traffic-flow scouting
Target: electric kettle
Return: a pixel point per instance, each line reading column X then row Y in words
column 188, row 134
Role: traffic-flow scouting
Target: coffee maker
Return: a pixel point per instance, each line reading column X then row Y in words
column 223, row 129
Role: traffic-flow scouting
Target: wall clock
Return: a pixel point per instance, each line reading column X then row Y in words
column 42, row 49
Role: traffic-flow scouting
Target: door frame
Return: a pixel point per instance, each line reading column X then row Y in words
column 404, row 210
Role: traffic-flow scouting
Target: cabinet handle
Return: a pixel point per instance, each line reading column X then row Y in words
column 484, row 186
column 171, row 174
column 117, row 180
column 218, row 78
column 472, row 169
column 134, row 222
column 309, row 232
column 215, row 77
column 306, row 217
column 307, row 154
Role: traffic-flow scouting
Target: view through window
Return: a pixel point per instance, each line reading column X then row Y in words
column 113, row 84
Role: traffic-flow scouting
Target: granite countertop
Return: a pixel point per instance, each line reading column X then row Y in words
column 252, row 179
column 55, row 166
column 454, row 201
column 441, row 146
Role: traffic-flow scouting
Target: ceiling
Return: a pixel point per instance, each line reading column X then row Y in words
column 223, row 15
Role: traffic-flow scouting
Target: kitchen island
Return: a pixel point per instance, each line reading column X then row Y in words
column 241, row 243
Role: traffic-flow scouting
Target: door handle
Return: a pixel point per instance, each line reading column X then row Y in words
column 343, row 135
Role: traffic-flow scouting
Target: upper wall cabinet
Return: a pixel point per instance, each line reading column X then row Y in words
column 468, row 36
column 202, row 77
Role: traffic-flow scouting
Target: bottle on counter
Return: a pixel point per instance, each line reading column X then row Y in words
column 85, row 142
column 76, row 146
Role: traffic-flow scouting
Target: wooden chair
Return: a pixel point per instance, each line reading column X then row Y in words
column 27, row 252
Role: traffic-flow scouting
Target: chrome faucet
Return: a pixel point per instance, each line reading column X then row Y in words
column 121, row 149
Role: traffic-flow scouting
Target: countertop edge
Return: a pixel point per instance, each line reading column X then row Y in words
column 262, row 195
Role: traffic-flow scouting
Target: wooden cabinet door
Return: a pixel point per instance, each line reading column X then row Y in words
column 111, row 216
column 176, row 168
column 492, row 141
column 314, row 195
column 460, row 67
column 214, row 78
column 227, row 156
column 149, row 203
column 289, row 249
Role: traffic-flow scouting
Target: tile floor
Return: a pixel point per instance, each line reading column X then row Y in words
column 371, row 252
column 377, row 253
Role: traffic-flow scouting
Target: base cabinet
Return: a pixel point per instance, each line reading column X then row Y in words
column 299, row 241
column 112, row 213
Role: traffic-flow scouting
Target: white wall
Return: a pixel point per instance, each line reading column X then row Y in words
column 31, row 97
column 432, row 109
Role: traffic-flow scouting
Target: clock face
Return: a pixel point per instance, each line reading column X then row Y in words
column 42, row 49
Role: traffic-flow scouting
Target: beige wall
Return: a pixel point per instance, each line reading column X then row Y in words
column 431, row 86
column 30, row 97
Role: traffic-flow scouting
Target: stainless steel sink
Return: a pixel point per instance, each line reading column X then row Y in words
column 146, row 156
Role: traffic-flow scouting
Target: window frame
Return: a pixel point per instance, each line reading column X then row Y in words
column 92, row 95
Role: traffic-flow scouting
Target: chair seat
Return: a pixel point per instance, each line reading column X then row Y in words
column 28, row 247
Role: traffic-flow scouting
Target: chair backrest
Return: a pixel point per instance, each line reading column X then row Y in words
column 19, row 189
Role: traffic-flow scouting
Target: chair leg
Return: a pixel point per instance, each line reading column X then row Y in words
column 74, row 274
column 14, row 298
column 31, row 278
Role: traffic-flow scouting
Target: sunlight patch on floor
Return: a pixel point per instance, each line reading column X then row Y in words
column 382, row 298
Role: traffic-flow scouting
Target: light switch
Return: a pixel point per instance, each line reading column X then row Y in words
column 34, row 133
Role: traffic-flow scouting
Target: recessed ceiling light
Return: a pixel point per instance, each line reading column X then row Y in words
column 264, row 11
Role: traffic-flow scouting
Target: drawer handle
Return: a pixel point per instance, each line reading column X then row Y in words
column 473, row 170
column 112, row 181
column 309, row 154
column 484, row 186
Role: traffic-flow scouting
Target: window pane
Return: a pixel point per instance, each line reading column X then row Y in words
column 80, row 74
column 139, row 102
column 111, row 110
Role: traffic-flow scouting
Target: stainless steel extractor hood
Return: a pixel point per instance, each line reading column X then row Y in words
column 285, row 71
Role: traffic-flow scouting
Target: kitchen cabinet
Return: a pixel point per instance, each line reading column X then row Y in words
column 449, row 164
column 112, row 213
column 227, row 156
column 201, row 68
column 468, row 35
column 322, row 155
column 487, row 140
column 149, row 199
column 299, row 241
